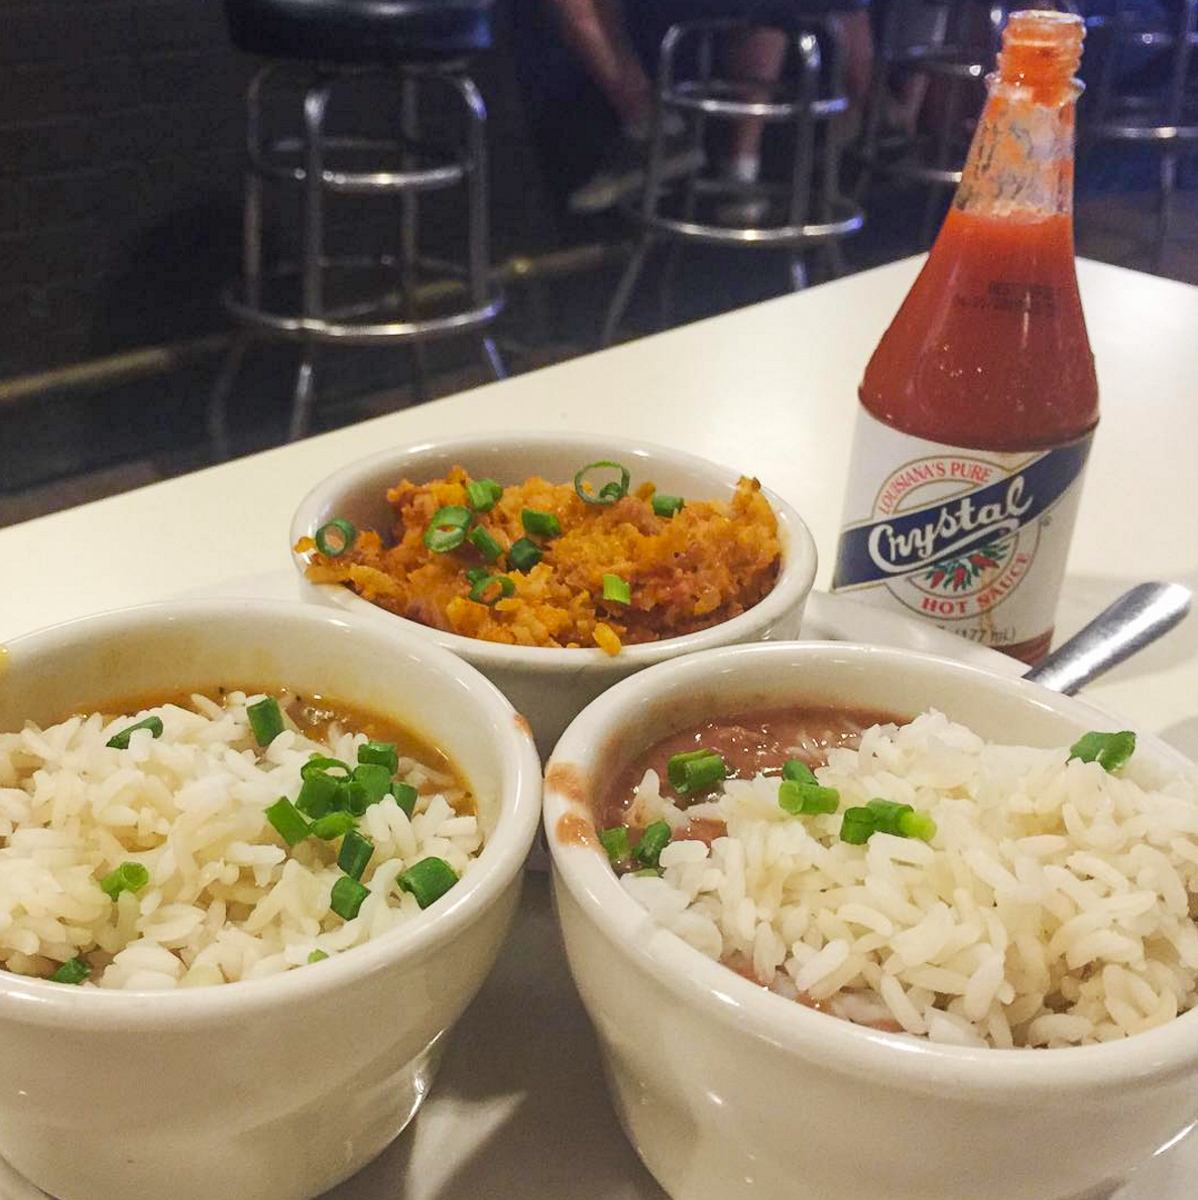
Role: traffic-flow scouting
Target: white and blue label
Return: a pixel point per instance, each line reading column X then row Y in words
column 974, row 540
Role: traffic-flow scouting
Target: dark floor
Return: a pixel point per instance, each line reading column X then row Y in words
column 66, row 448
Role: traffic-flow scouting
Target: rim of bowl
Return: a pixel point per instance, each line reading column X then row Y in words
column 728, row 998
column 796, row 574
column 501, row 859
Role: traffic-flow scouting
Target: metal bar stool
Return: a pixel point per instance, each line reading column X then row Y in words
column 952, row 53
column 1165, row 118
column 705, row 98
column 417, row 47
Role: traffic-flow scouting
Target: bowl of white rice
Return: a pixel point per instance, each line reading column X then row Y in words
column 255, row 860
column 854, row 921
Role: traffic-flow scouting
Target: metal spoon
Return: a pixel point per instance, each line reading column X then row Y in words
column 1138, row 617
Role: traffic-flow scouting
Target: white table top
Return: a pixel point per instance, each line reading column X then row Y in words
column 769, row 389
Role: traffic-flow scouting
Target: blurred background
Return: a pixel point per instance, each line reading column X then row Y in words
column 123, row 154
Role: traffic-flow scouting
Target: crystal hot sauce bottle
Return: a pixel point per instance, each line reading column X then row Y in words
column 978, row 405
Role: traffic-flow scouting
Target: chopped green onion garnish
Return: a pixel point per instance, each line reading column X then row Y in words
column 383, row 753
column 355, row 854
column 524, row 555
column 482, row 494
column 858, row 826
column 667, row 506
column 887, row 815
column 74, row 970
column 288, row 820
column 317, row 795
column 128, row 877
column 120, row 741
column 318, row 764
column 347, row 897
column 1109, row 750
column 485, row 544
column 475, row 574
column 798, row 770
column 807, row 799
column 616, row 590
column 354, row 797
column 376, row 779
column 266, row 720
column 917, row 825
column 609, row 493
column 428, row 880
column 648, row 873
column 447, row 530
column 615, row 842
column 333, row 825
column 405, row 796
column 484, row 591
column 653, row 842
column 540, row 523
column 317, row 956
column 336, row 537
column 695, row 771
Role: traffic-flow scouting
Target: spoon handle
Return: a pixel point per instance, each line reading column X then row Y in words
column 1138, row 617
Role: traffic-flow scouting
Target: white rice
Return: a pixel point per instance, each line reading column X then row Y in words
column 1054, row 906
column 226, row 900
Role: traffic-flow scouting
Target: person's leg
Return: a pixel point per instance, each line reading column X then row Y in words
column 594, row 30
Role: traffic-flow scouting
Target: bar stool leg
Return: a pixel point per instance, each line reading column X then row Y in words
column 808, row 56
column 316, row 101
column 409, row 230
column 624, row 289
column 479, row 254
column 830, row 183
column 875, row 104
column 944, row 147
column 1164, row 219
column 222, row 389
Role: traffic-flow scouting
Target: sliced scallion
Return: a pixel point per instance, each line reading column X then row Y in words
column 857, row 826
column 317, row 795
column 475, row 574
column 266, row 720
column 607, row 493
column 540, row 523
column 616, row 590
column 485, row 543
column 667, row 506
column 319, row 764
column 917, row 825
column 695, row 771
column 653, row 841
column 447, row 530
column 807, row 799
column 887, row 815
column 333, row 825
column 335, row 537
column 428, row 880
column 317, row 956
column 74, row 970
column 347, row 896
column 405, row 796
column 523, row 555
column 492, row 588
column 1109, row 750
column 354, row 854
column 482, row 494
column 375, row 779
column 796, row 769
column 290, row 823
column 384, row 754
column 615, row 842
column 648, row 873
column 128, row 877
column 120, row 741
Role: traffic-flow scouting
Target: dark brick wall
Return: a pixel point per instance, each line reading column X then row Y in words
column 121, row 126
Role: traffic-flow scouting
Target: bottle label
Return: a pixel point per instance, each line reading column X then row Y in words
column 974, row 540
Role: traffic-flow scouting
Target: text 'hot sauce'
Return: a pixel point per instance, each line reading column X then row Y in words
column 978, row 405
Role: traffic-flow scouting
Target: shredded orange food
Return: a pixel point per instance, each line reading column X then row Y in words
column 709, row 562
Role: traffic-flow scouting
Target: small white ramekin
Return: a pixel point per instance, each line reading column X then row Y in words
column 730, row 1092
column 549, row 686
column 271, row 1089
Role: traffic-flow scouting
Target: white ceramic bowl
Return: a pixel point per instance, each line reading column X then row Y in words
column 730, row 1092
column 270, row 1089
column 549, row 686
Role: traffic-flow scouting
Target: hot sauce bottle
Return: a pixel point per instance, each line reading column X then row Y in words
column 979, row 403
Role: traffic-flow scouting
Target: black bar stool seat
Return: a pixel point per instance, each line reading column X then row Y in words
column 360, row 31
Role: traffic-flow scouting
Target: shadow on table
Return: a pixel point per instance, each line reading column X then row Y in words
column 519, row 1108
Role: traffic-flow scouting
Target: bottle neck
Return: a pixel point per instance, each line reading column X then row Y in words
column 1020, row 165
